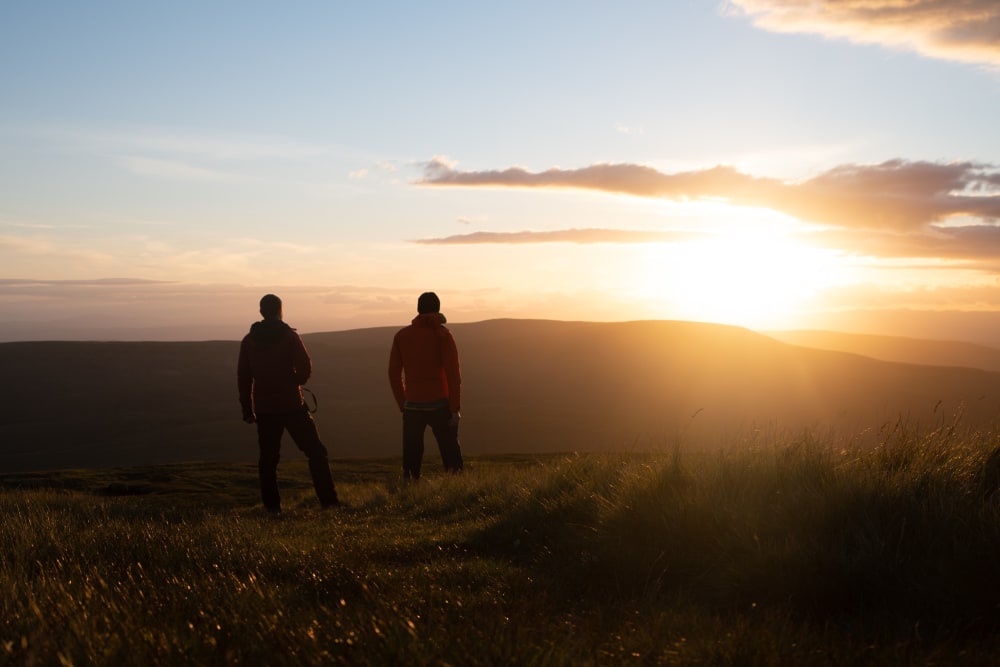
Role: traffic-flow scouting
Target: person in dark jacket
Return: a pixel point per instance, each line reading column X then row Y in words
column 273, row 365
column 426, row 382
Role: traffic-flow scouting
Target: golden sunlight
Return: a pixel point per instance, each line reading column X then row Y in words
column 748, row 279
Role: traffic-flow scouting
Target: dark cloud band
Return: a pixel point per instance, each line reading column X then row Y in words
column 896, row 194
column 898, row 208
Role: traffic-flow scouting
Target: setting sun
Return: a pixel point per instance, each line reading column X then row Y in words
column 746, row 279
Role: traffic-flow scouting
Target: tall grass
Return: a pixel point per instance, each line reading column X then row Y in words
column 788, row 550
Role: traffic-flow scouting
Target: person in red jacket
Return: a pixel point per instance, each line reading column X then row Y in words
column 427, row 384
column 273, row 365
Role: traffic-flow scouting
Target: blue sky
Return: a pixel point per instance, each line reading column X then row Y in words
column 768, row 163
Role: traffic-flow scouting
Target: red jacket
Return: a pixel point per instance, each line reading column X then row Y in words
column 423, row 364
column 273, row 364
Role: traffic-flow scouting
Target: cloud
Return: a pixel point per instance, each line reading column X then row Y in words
column 896, row 209
column 193, row 146
column 966, row 31
column 42, row 225
column 174, row 170
column 17, row 251
column 974, row 246
column 622, row 128
column 623, row 178
column 563, row 236
column 163, row 153
column 29, row 283
column 896, row 194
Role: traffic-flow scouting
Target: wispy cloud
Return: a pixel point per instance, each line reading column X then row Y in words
column 16, row 251
column 171, row 142
column 174, row 170
column 183, row 155
column 622, row 128
column 967, row 31
column 41, row 225
column 564, row 236
column 9, row 285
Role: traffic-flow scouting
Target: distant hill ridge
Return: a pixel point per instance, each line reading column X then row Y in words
column 529, row 386
column 896, row 348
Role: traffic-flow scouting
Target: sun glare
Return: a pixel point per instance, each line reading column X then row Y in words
column 745, row 279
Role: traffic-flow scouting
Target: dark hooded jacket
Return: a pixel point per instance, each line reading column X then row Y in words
column 272, row 367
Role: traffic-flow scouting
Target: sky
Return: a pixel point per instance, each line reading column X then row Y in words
column 774, row 164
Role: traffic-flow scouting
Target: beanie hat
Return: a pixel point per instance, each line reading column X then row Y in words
column 270, row 306
column 428, row 303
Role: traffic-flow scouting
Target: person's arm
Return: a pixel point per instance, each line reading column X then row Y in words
column 244, row 382
column 396, row 374
column 453, row 373
column 300, row 360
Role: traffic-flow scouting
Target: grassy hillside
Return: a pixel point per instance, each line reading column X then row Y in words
column 786, row 552
column 529, row 386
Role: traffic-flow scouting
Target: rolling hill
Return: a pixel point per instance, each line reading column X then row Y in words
column 528, row 386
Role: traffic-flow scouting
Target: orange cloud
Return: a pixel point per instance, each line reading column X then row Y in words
column 897, row 208
column 631, row 179
column 896, row 194
column 967, row 31
column 976, row 246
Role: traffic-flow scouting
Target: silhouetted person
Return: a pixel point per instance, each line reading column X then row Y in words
column 427, row 385
column 273, row 366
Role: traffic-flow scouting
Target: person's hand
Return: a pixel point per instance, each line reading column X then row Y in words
column 249, row 417
column 455, row 416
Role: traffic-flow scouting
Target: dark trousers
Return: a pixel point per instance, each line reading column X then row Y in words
column 414, row 424
column 302, row 428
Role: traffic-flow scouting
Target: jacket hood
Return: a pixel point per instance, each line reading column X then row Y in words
column 268, row 331
column 429, row 320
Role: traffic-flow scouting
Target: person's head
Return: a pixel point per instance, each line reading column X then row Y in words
column 428, row 303
column 270, row 307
